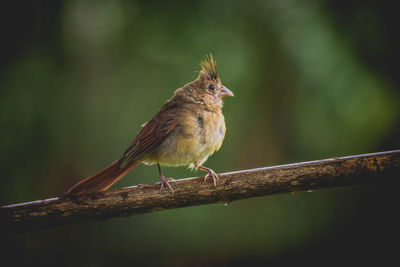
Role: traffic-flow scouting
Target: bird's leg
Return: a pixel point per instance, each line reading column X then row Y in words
column 210, row 173
column 163, row 180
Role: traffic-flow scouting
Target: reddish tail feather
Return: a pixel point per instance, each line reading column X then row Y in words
column 101, row 180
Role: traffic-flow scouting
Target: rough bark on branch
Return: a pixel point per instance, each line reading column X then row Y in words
column 376, row 167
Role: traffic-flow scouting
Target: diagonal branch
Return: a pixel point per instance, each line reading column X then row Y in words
column 368, row 168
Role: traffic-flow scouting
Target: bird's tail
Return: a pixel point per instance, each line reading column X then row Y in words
column 101, row 180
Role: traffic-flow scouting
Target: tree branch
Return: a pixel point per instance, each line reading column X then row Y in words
column 368, row 168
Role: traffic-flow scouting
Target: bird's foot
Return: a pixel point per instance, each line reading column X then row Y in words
column 210, row 174
column 164, row 182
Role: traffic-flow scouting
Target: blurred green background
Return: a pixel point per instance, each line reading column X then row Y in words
column 312, row 80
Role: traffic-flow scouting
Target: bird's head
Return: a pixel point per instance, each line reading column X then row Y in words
column 209, row 86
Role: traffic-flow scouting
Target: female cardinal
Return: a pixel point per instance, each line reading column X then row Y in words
column 188, row 128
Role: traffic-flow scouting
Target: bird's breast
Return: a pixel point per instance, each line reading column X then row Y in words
column 197, row 137
column 211, row 131
column 206, row 132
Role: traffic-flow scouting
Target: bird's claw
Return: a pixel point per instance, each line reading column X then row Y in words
column 164, row 181
column 213, row 175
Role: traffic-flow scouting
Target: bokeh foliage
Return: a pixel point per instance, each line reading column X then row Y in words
column 312, row 79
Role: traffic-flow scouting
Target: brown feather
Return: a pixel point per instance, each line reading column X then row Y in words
column 152, row 134
column 101, row 180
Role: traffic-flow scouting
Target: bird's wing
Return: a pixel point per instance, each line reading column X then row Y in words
column 151, row 134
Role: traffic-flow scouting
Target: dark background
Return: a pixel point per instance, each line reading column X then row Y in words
column 312, row 80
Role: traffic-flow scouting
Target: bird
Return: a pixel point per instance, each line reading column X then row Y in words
column 186, row 130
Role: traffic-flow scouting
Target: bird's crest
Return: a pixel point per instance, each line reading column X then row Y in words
column 209, row 67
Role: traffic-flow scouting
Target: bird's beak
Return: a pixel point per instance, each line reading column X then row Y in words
column 224, row 92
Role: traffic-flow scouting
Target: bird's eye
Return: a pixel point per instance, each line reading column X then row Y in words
column 211, row 87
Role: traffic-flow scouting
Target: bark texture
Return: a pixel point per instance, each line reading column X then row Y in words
column 379, row 168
